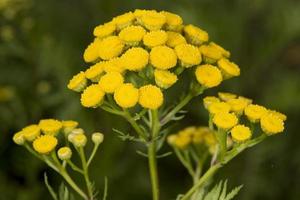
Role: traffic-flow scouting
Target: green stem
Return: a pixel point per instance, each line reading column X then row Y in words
column 135, row 126
column 93, row 154
column 74, row 167
column 187, row 165
column 86, row 173
column 221, row 136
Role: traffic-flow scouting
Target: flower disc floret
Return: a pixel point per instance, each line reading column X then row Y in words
column 126, row 96
column 123, row 20
column 64, row 153
column 150, row 97
column 31, row 132
column 94, row 72
column 91, row 52
column 208, row 75
column 210, row 53
column 163, row 57
column 188, row 54
column 18, row 138
column 111, row 81
column 114, row 65
column 135, row 59
column 217, row 107
column 195, row 35
column 153, row 20
column 224, row 52
column 173, row 21
column 78, row 82
column 164, row 78
column 271, row 124
column 240, row 133
column 238, row 105
column 278, row 114
column 155, row 38
column 110, row 47
column 104, row 30
column 207, row 101
column 45, row 144
column 229, row 69
column 50, row 126
column 132, row 35
column 175, row 39
column 225, row 120
column 255, row 112
column 92, row 96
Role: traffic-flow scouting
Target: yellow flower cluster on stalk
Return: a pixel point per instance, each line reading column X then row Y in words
column 139, row 54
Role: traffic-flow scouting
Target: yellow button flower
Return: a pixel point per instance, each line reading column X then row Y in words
column 225, row 120
column 271, row 124
column 153, row 20
column 195, row 35
column 45, row 144
column 216, row 107
column 92, row 96
column 255, row 112
column 50, row 126
column 64, row 153
column 189, row 55
column 79, row 140
column 182, row 142
column 225, row 96
column 150, row 97
column 18, row 138
column 132, row 35
column 91, row 52
column 126, row 96
column 208, row 75
column 104, row 30
column 31, row 132
column 210, row 53
column 175, row 39
column 173, row 21
column 155, row 38
column 163, row 57
column 114, row 65
column 135, row 59
column 278, row 114
column 111, row 81
column 238, row 105
column 240, row 133
column 188, row 132
column 124, row 20
column 229, row 69
column 110, row 47
column 164, row 79
column 171, row 139
column 78, row 82
column 94, row 72
column 224, row 52
column 207, row 101
column 69, row 125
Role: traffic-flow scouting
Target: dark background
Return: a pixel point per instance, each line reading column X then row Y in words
column 41, row 46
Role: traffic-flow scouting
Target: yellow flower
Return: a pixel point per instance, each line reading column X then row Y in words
column 217, row 107
column 224, row 52
column 271, row 124
column 97, row 138
column 175, row 39
column 171, row 139
column 150, row 97
column 210, row 53
column 199, row 134
column 255, row 112
column 225, row 96
column 114, row 65
column 91, row 52
column 163, row 57
column 94, row 72
column 111, row 81
column 124, row 20
column 207, row 101
column 240, row 133
column 45, row 144
column 132, row 35
column 79, row 140
column 224, row 120
column 78, row 82
column 64, row 153
column 195, row 35
column 238, row 105
column 50, row 126
column 135, row 59
column 189, row 55
column 126, row 96
column 92, row 96
column 173, row 21
column 208, row 75
column 278, row 114
column 18, row 138
column 110, row 47
column 249, row 101
column 182, row 142
column 104, row 30
column 164, row 79
column 69, row 126
column 187, row 132
column 153, row 20
column 31, row 132
column 229, row 69
column 155, row 38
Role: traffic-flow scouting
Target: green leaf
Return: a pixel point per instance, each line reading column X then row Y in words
column 233, row 193
column 105, row 188
column 50, row 189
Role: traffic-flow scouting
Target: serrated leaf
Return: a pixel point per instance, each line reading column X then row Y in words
column 233, row 192
column 224, row 191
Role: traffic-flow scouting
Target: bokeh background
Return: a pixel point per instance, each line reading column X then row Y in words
column 41, row 46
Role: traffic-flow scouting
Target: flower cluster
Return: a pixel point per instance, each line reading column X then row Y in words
column 139, row 54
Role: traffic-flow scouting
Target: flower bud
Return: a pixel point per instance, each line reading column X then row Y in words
column 64, row 153
column 79, row 140
column 97, row 138
column 18, row 138
column 76, row 131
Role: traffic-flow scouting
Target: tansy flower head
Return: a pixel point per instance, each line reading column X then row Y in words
column 92, row 96
column 97, row 138
column 188, row 55
column 210, row 53
column 95, row 72
column 207, row 101
column 182, row 142
column 111, row 81
column 255, row 112
column 173, row 21
column 132, row 35
column 229, row 69
column 150, row 97
column 104, row 30
column 225, row 96
column 271, row 124
column 31, row 132
column 91, row 52
column 64, row 153
column 18, row 138
column 153, row 20
column 69, row 125
column 224, row 52
column 171, row 139
column 78, row 82
column 278, row 114
column 208, row 75
column 240, row 133
column 164, row 79
column 45, row 144
column 124, row 20
column 238, row 105
column 79, row 140
column 155, row 38
column 175, row 39
column 135, row 59
column 216, row 107
column 114, row 65
column 110, row 47
column 187, row 132
column 225, row 120
column 195, row 35
column 126, row 95
column 50, row 126
column 163, row 57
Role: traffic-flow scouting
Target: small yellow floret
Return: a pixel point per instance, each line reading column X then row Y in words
column 78, row 82
column 225, row 120
column 164, row 79
column 229, row 69
column 173, row 21
column 153, row 20
column 182, row 142
column 45, row 144
column 271, row 124
column 195, row 35
column 124, row 20
column 79, row 140
column 189, row 55
column 126, row 96
column 132, row 35
column 238, row 105
column 135, row 59
column 69, row 125
column 94, row 72
column 50, row 126
column 64, row 153
column 217, row 107
column 255, row 112
column 111, row 81
column 31, row 132
column 175, row 39
column 92, row 96
column 114, row 65
column 110, row 47
column 104, row 30
column 18, row 138
column 208, row 75
column 171, row 139
column 163, row 57
column 240, row 133
column 91, row 52
column 150, row 97
column 207, row 101
column 224, row 52
column 210, row 53
column 155, row 38
column 278, row 114
column 225, row 96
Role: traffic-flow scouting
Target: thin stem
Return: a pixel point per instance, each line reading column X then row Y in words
column 86, row 173
column 93, row 154
column 221, row 136
column 135, row 126
column 74, row 167
column 187, row 165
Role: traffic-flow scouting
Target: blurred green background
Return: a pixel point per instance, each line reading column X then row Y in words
column 41, row 46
